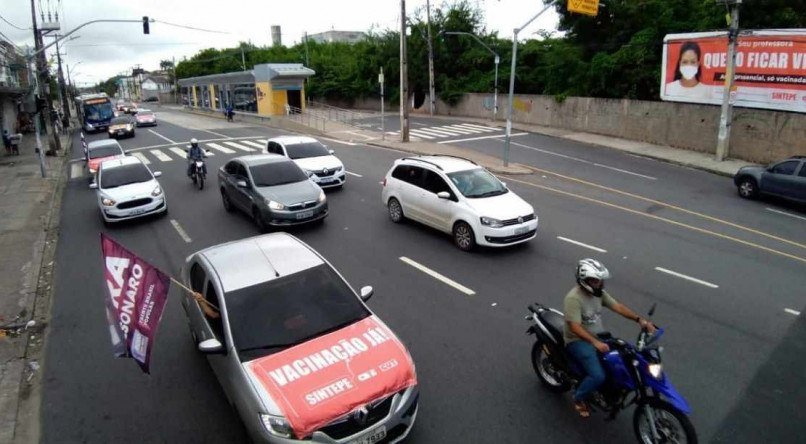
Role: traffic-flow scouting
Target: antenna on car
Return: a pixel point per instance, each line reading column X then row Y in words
column 276, row 273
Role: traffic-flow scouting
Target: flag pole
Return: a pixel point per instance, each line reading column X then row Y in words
column 194, row 293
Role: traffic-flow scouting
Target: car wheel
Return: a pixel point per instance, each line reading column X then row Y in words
column 463, row 236
column 261, row 224
column 225, row 200
column 748, row 188
column 395, row 211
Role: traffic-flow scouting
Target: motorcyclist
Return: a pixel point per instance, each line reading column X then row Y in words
column 583, row 321
column 195, row 153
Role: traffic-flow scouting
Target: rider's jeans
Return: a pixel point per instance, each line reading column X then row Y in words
column 586, row 356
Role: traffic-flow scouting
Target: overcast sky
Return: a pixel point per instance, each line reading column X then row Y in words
column 108, row 49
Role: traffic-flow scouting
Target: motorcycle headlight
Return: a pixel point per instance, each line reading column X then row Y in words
column 490, row 222
column 656, row 370
column 157, row 191
column 108, row 202
column 276, row 425
column 321, row 196
column 275, row 205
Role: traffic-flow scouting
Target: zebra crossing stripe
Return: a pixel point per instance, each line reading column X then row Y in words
column 263, row 141
column 254, row 144
column 476, row 129
column 419, row 134
column 437, row 133
column 179, row 152
column 240, row 147
column 142, row 158
column 161, row 156
column 218, row 147
column 458, row 130
column 489, row 128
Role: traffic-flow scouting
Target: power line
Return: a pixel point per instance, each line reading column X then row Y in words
column 13, row 25
column 132, row 44
column 190, row 27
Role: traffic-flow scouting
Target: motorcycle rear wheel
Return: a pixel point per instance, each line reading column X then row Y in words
column 551, row 378
column 673, row 426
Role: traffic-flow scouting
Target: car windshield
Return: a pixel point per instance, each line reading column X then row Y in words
column 121, row 121
column 307, row 149
column 477, row 183
column 144, row 114
column 271, row 316
column 125, row 175
column 276, row 173
column 105, row 151
column 98, row 111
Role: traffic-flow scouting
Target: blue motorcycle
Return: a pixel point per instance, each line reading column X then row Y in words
column 634, row 377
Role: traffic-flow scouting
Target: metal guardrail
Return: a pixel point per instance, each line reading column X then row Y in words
column 333, row 113
column 305, row 117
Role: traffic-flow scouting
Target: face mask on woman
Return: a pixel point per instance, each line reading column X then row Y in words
column 689, row 72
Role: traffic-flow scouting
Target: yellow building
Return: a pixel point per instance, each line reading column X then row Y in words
column 268, row 89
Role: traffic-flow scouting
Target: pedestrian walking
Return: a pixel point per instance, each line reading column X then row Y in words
column 229, row 112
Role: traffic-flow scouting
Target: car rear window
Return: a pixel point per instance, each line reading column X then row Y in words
column 105, row 151
column 271, row 316
column 276, row 173
column 125, row 175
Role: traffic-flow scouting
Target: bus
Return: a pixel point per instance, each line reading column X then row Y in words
column 95, row 111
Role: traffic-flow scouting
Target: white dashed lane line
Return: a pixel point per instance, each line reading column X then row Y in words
column 438, row 276
column 353, row 174
column 786, row 214
column 181, row 231
column 494, row 136
column 590, row 247
column 792, row 312
column 688, row 278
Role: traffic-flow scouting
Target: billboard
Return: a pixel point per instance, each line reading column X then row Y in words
column 770, row 69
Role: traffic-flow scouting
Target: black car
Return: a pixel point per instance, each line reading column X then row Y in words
column 786, row 179
column 121, row 126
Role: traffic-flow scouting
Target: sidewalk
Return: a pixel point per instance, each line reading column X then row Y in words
column 27, row 238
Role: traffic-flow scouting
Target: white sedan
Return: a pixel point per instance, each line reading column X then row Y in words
column 127, row 189
column 320, row 163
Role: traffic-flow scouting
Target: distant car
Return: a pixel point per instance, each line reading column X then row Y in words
column 127, row 189
column 145, row 117
column 281, row 305
column 313, row 157
column 272, row 189
column 101, row 150
column 786, row 179
column 121, row 126
column 457, row 196
column 151, row 99
column 126, row 107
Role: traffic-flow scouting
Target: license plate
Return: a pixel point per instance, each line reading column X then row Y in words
column 374, row 436
column 137, row 211
column 521, row 230
column 326, row 179
column 305, row 214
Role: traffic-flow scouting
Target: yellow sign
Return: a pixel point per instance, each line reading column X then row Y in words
column 587, row 7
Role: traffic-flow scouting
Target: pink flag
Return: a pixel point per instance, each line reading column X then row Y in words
column 136, row 296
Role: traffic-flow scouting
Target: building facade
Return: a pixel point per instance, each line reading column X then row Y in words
column 337, row 36
column 13, row 88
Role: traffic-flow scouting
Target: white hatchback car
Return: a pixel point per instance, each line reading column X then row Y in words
column 313, row 157
column 127, row 189
column 457, row 196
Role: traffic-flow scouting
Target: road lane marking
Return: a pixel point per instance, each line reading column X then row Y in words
column 164, row 145
column 670, row 206
column 181, row 231
column 263, row 141
column 458, row 130
column 353, row 174
column 76, row 170
column 218, row 147
column 179, row 152
column 786, row 214
column 551, row 153
column 341, row 141
column 259, row 146
column 473, row 125
column 438, row 276
column 483, row 129
column 430, row 132
column 218, row 134
column 441, row 130
column 419, row 124
column 142, row 158
column 161, row 136
column 161, row 156
column 494, row 136
column 591, row 247
column 625, row 171
column 663, row 219
column 688, row 278
column 239, row 146
column 792, row 312
column 423, row 135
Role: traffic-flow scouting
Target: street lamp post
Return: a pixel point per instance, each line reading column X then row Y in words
column 497, row 60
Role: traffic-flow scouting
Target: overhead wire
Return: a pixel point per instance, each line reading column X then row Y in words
column 13, row 25
column 190, row 27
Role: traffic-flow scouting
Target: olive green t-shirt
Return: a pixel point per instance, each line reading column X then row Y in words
column 585, row 309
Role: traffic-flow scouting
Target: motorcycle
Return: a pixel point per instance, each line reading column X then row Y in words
column 634, row 377
column 197, row 174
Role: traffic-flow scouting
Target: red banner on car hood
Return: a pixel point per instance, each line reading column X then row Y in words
column 325, row 378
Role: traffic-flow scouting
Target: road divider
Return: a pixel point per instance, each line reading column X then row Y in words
column 181, row 231
column 688, row 278
column 590, row 247
column 438, row 276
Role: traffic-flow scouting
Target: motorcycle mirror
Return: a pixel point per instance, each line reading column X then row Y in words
column 652, row 310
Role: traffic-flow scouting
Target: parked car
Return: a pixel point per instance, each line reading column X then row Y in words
column 457, row 196
column 786, row 179
column 315, row 158
column 272, row 189
column 121, row 126
column 127, row 189
column 146, row 117
column 281, row 305
column 101, row 150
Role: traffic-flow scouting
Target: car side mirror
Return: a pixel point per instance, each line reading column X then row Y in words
column 366, row 293
column 444, row 195
column 331, row 151
column 157, row 173
column 211, row 346
column 93, row 186
column 241, row 184
column 126, row 153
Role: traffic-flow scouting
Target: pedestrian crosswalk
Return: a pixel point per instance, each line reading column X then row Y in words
column 444, row 131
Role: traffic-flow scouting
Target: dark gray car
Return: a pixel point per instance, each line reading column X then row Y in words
column 272, row 189
column 785, row 179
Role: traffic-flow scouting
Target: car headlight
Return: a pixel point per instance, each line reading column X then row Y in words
column 276, row 425
column 108, row 202
column 656, row 370
column 89, row 125
column 157, row 191
column 129, row 127
column 490, row 222
column 93, row 171
column 321, row 196
column 275, row 205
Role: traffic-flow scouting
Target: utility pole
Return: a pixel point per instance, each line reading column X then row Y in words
column 383, row 119
column 431, row 93
column 43, row 88
column 404, row 77
column 726, row 118
column 62, row 89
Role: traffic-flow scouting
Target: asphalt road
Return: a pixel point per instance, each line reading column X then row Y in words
column 734, row 351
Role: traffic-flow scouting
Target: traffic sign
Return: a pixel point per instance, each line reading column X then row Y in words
column 587, row 7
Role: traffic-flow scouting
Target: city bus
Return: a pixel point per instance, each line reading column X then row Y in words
column 95, row 111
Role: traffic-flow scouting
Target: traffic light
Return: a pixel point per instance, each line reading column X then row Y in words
column 145, row 25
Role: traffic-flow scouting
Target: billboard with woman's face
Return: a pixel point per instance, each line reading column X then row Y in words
column 770, row 69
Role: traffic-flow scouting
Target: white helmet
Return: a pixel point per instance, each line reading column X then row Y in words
column 194, row 142
column 591, row 269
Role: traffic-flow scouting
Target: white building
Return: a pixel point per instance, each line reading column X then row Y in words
column 153, row 85
column 337, row 36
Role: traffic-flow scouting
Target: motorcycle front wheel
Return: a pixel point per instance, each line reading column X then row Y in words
column 546, row 370
column 672, row 425
column 201, row 181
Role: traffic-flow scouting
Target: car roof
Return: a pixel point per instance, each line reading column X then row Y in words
column 119, row 162
column 292, row 140
column 102, row 143
column 260, row 159
column 447, row 164
column 251, row 261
